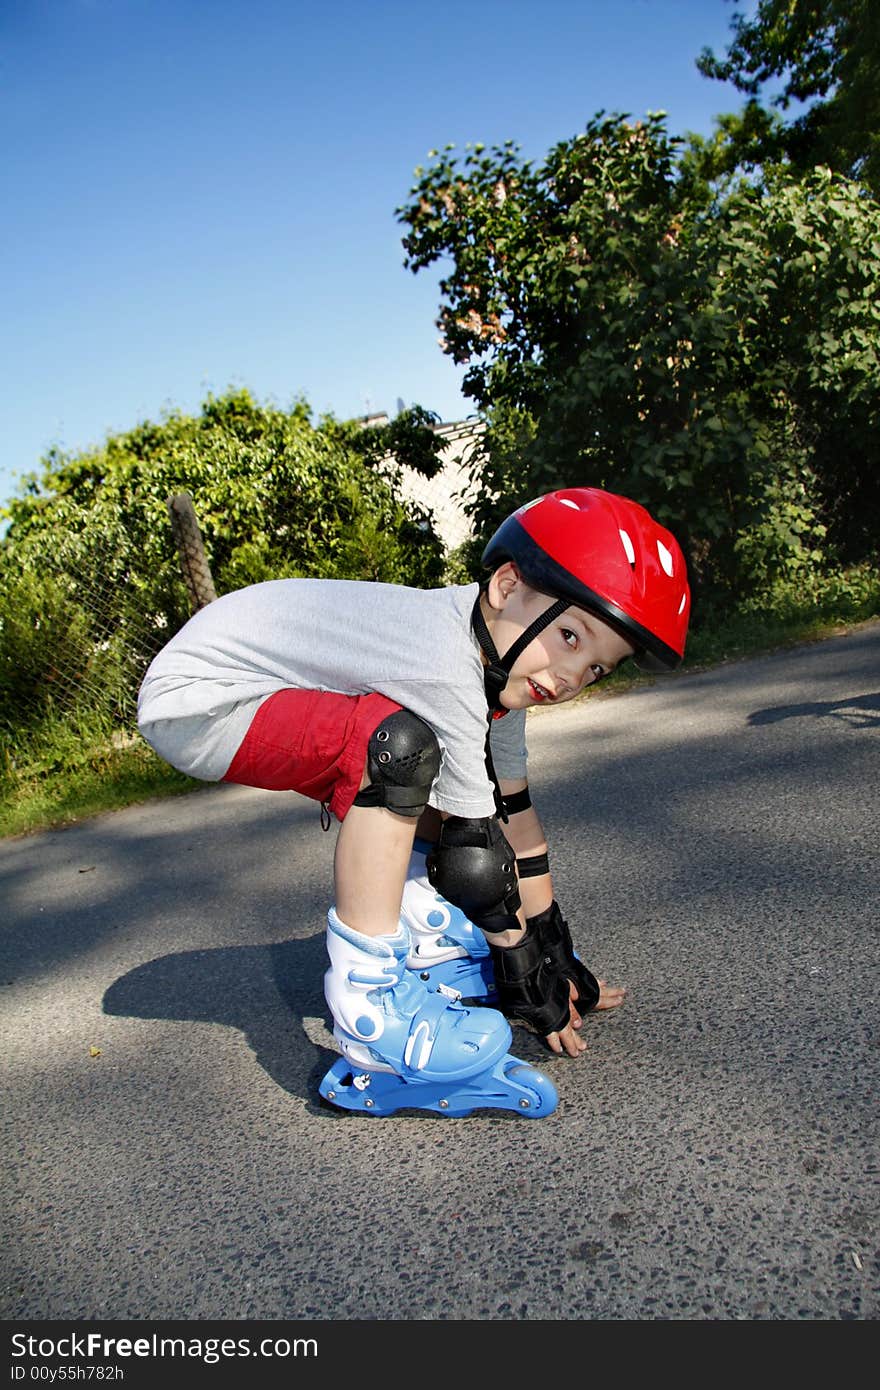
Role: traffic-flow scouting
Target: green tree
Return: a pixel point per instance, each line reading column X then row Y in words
column 90, row 585
column 274, row 494
column 817, row 58
column 706, row 358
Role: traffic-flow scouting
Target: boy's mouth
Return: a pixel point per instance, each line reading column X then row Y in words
column 540, row 692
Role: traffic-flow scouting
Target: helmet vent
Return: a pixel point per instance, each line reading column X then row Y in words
column 629, row 548
column 683, row 604
column 567, row 502
column 665, row 558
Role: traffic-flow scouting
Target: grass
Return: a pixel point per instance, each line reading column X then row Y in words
column 66, row 774
column 108, row 778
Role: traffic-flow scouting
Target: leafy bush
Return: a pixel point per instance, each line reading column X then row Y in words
column 44, row 635
column 90, row 583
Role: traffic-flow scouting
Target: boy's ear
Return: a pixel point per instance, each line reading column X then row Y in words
column 503, row 583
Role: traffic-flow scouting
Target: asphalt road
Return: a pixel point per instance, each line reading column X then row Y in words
column 714, row 1154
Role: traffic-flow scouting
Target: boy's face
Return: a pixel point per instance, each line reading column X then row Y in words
column 574, row 651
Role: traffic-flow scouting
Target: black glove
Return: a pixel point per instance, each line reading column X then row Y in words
column 529, row 985
column 551, row 930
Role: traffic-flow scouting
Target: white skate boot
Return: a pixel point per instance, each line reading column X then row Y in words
column 446, row 948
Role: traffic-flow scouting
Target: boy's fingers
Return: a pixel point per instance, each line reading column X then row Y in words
column 610, row 996
column 575, row 1019
column 566, row 1041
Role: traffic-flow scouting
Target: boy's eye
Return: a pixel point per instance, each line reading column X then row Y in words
column 569, row 637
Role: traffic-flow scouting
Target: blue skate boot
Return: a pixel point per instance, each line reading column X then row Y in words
column 446, row 948
column 404, row 1047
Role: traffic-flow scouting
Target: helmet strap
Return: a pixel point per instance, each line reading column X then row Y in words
column 495, row 673
column 498, row 668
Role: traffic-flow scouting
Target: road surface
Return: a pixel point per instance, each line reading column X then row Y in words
column 714, row 1154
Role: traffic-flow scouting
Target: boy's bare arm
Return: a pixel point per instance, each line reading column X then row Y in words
column 526, row 835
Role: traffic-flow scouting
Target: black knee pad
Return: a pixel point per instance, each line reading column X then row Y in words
column 473, row 866
column 403, row 758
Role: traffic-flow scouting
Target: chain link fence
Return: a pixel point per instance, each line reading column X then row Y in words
column 76, row 642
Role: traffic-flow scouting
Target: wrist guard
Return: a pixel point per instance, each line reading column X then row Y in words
column 534, row 866
column 529, row 985
column 552, row 931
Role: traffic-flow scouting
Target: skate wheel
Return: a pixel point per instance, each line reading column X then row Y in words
column 510, row 1085
column 539, row 1096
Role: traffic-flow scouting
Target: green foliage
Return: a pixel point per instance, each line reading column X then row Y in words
column 71, row 768
column 708, row 359
column 823, row 55
column 90, row 584
column 816, row 605
column 407, row 441
column 42, row 633
column 269, row 489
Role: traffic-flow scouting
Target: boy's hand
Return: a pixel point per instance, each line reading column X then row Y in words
column 567, row 1040
column 540, row 980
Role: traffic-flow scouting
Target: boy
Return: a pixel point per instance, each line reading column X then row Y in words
column 392, row 706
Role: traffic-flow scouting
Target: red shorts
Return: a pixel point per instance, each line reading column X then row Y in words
column 310, row 741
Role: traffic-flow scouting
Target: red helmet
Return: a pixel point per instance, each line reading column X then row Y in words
column 608, row 555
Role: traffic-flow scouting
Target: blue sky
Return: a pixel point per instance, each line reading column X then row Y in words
column 201, row 194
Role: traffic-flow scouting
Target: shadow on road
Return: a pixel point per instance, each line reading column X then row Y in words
column 861, row 712
column 272, row 994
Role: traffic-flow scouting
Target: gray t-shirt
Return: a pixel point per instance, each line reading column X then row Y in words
column 414, row 646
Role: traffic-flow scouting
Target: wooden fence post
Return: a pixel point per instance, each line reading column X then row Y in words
column 190, row 547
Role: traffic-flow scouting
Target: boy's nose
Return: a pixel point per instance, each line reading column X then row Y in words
column 572, row 677
column 586, row 676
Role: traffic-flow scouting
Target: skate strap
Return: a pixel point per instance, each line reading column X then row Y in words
column 375, row 979
column 449, row 993
column 423, row 1031
column 433, row 1009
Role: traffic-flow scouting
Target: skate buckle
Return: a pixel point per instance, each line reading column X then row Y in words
column 448, row 992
